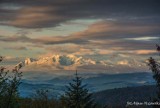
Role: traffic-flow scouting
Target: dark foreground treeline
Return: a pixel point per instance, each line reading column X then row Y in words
column 114, row 98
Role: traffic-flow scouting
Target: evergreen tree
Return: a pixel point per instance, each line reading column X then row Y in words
column 77, row 96
column 155, row 68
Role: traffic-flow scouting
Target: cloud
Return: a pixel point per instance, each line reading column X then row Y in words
column 15, row 39
column 16, row 48
column 35, row 17
column 117, row 30
column 124, row 62
column 100, row 35
column 11, row 61
column 84, row 51
column 49, row 13
column 103, row 37
column 99, row 32
column 60, row 49
column 43, row 40
column 143, row 52
column 104, row 52
column 60, row 40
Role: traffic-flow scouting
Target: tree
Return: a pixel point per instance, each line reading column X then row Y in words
column 9, row 83
column 77, row 96
column 41, row 99
column 3, row 82
column 155, row 68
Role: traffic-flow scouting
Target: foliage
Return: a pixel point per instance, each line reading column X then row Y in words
column 155, row 68
column 9, row 83
column 77, row 96
column 41, row 99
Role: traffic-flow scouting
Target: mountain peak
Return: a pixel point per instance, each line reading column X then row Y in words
column 29, row 61
column 59, row 60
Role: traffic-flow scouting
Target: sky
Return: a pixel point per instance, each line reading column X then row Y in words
column 100, row 29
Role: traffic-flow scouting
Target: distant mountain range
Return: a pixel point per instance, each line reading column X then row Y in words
column 72, row 62
column 63, row 60
column 95, row 82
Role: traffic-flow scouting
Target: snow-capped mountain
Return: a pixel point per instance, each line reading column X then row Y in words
column 58, row 60
column 29, row 61
column 72, row 62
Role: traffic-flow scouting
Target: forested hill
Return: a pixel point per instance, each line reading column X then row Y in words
column 120, row 96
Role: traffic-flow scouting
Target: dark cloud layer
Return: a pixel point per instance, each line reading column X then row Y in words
column 120, row 22
column 44, row 40
column 103, row 34
column 118, row 30
column 16, row 48
column 50, row 13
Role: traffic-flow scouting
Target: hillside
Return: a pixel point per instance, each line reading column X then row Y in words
column 120, row 96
